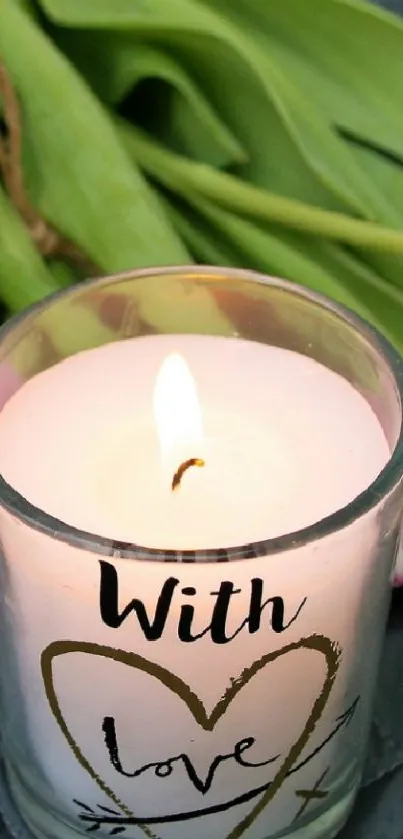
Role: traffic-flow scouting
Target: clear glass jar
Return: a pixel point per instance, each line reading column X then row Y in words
column 86, row 695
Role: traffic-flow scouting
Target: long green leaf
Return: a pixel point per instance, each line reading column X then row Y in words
column 290, row 147
column 317, row 67
column 180, row 175
column 324, row 268
column 77, row 171
column 24, row 277
column 182, row 116
column 346, row 56
column 327, row 54
column 385, row 174
column 201, row 238
column 275, row 253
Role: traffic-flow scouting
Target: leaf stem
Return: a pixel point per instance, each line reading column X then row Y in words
column 182, row 175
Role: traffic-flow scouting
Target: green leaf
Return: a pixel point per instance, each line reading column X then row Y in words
column 201, row 238
column 223, row 239
column 100, row 13
column 385, row 174
column 389, row 266
column 346, row 57
column 325, row 268
column 277, row 252
column 78, row 174
column 63, row 274
column 326, row 153
column 324, row 56
column 383, row 300
column 180, row 176
column 289, row 147
column 181, row 115
column 24, row 277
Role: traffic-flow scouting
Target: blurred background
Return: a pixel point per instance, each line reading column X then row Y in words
column 228, row 132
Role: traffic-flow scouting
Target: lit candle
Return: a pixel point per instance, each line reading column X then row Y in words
column 284, row 441
column 213, row 699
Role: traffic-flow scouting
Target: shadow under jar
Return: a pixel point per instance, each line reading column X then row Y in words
column 200, row 504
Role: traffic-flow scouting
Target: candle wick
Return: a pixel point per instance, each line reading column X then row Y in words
column 193, row 461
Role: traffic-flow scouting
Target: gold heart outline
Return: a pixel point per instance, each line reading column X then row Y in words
column 318, row 643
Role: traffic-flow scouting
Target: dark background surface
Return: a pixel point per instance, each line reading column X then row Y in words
column 378, row 813
column 379, row 810
column 393, row 5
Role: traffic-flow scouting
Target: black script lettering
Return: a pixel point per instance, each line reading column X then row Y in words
column 217, row 627
column 109, row 818
column 278, row 609
column 220, row 612
column 109, row 604
column 186, row 618
column 256, row 607
column 153, row 626
column 164, row 768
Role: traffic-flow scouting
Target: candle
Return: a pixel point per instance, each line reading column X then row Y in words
column 205, row 683
column 284, row 440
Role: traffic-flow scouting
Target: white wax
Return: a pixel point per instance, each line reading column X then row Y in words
column 286, row 442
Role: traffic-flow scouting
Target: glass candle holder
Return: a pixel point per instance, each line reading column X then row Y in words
column 398, row 579
column 176, row 690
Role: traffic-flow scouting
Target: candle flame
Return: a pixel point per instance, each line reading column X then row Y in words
column 177, row 410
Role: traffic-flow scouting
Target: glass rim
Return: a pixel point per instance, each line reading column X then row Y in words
column 20, row 508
